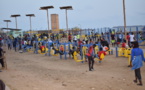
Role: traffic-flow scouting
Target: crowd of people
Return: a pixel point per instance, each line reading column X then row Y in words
column 94, row 39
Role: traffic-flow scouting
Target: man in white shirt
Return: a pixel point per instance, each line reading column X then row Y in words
column 131, row 38
column 75, row 38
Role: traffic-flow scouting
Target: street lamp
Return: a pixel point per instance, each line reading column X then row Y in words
column 30, row 15
column 7, row 21
column 124, row 13
column 46, row 8
column 66, row 8
column 16, row 15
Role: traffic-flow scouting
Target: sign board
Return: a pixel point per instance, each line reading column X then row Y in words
column 16, row 33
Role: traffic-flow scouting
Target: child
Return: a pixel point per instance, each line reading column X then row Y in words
column 56, row 51
column 42, row 48
column 72, row 51
column 137, row 59
column 100, row 53
column 61, row 50
column 9, row 44
column 113, row 42
column 118, row 42
column 79, row 43
column 69, row 37
column 86, row 39
column 124, row 45
column 91, row 41
column 84, row 51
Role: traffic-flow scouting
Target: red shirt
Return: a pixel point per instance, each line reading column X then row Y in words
column 69, row 37
column 80, row 42
column 128, row 37
column 61, row 48
column 90, row 51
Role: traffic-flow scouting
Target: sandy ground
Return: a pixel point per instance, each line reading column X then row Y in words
column 28, row 71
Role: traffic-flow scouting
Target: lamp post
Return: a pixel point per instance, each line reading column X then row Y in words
column 124, row 13
column 66, row 8
column 7, row 21
column 30, row 15
column 46, row 8
column 16, row 15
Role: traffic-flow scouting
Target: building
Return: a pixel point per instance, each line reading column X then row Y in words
column 55, row 23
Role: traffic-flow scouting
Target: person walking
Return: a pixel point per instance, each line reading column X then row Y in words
column 9, row 43
column 136, row 59
column 69, row 37
column 90, row 56
column 15, row 44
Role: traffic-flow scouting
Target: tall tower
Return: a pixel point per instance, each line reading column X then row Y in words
column 54, row 23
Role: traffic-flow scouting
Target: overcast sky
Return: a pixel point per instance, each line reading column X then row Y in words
column 85, row 13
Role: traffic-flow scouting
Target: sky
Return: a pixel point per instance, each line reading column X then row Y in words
column 85, row 13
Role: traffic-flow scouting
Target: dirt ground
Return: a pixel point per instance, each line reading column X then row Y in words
column 28, row 71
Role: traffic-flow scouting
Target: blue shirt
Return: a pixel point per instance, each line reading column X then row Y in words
column 137, row 57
